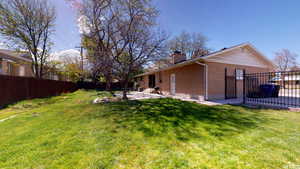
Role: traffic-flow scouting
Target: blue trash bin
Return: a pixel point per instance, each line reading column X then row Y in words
column 269, row 90
column 276, row 91
column 265, row 90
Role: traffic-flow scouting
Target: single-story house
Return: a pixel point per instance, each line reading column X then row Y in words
column 14, row 63
column 218, row 75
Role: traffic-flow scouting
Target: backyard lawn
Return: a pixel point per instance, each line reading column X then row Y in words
column 69, row 131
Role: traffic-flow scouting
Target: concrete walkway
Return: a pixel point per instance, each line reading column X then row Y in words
column 141, row 96
column 237, row 101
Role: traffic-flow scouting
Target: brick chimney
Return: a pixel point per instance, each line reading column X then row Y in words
column 178, row 57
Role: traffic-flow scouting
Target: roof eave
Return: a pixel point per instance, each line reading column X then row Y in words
column 16, row 58
column 211, row 55
column 171, row 67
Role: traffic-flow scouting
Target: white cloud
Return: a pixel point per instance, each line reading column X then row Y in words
column 70, row 55
column 83, row 25
column 3, row 45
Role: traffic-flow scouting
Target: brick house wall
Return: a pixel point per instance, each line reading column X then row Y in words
column 190, row 76
column 216, row 78
column 189, row 81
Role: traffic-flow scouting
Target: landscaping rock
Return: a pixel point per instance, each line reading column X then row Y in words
column 106, row 100
column 97, row 100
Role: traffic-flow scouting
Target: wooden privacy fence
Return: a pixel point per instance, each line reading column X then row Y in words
column 13, row 89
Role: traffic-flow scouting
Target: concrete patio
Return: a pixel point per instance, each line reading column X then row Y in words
column 141, row 95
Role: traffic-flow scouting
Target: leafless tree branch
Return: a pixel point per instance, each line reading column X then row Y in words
column 28, row 25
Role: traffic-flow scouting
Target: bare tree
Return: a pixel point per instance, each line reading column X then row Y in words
column 28, row 25
column 191, row 44
column 295, row 68
column 285, row 60
column 144, row 47
column 101, row 26
column 120, row 36
column 138, row 40
column 160, row 63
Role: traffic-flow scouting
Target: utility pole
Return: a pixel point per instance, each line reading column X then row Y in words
column 81, row 56
column 81, row 59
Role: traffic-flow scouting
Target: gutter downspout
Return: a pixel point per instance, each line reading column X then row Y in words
column 206, row 78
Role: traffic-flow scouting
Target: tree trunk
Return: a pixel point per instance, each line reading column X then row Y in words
column 125, row 85
column 36, row 66
column 41, row 71
column 125, row 95
column 108, row 83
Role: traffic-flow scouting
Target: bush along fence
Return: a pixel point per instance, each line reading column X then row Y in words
column 13, row 89
column 273, row 88
column 102, row 86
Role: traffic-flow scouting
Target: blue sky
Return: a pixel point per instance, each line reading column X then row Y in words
column 270, row 25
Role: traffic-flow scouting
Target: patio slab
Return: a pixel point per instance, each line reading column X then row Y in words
column 237, row 101
column 141, row 96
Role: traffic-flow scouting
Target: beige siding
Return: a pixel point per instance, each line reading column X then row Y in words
column 240, row 56
column 15, row 68
column 28, row 70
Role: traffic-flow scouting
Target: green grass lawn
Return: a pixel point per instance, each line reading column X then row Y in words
column 69, row 131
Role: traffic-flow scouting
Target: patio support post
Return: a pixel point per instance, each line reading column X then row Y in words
column 225, row 79
column 244, row 86
column 206, row 78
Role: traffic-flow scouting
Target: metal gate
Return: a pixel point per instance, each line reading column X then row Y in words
column 230, row 86
column 273, row 88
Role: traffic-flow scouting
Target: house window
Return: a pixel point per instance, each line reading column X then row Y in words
column 239, row 74
column 55, row 77
column 22, row 71
column 10, row 68
column 297, row 82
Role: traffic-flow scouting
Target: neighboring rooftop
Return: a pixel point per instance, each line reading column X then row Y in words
column 13, row 55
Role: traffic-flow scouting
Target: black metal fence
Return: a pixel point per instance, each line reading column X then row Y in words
column 273, row 88
column 230, row 86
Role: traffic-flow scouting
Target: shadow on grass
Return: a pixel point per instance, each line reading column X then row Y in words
column 35, row 102
column 185, row 120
